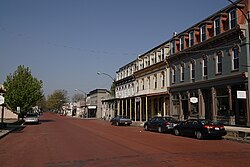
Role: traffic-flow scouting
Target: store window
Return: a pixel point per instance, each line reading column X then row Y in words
column 222, row 102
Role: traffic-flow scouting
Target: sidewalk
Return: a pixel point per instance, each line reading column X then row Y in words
column 241, row 134
column 10, row 126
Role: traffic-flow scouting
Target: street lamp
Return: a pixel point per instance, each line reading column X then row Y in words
column 248, row 50
column 85, row 94
column 103, row 73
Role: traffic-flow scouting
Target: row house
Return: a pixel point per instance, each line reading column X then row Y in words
column 208, row 68
column 125, row 90
column 201, row 72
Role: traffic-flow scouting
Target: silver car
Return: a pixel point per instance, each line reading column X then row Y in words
column 31, row 118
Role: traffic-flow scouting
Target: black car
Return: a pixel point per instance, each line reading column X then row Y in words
column 121, row 120
column 160, row 124
column 199, row 128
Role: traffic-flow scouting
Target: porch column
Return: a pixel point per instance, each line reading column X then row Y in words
column 119, row 103
column 164, row 106
column 232, row 118
column 135, row 109
column 213, row 90
column 126, row 107
column 146, row 108
column 189, row 103
column 122, row 107
column 130, row 101
column 141, row 109
column 201, row 105
column 181, row 117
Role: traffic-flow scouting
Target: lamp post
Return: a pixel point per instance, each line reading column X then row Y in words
column 248, row 54
column 2, row 92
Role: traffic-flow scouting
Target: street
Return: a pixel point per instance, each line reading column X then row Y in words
column 65, row 142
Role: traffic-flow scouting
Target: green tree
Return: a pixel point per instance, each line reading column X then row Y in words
column 56, row 100
column 22, row 90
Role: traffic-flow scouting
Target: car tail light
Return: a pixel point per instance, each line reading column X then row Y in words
column 208, row 126
column 166, row 123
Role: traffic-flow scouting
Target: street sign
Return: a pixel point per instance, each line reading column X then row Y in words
column 241, row 94
column 1, row 100
column 18, row 110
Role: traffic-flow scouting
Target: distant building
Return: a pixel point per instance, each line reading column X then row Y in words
column 94, row 102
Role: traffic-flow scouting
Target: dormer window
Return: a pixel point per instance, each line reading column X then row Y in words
column 203, row 33
column 232, row 19
column 217, row 29
column 162, row 54
column 191, row 38
column 181, row 43
column 173, row 47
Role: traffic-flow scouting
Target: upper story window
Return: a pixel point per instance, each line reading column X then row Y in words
column 191, row 38
column 155, row 81
column 192, row 70
column 204, row 66
column 148, row 60
column 162, row 54
column 182, row 72
column 235, row 58
column 216, row 26
column 173, row 47
column 155, row 57
column 163, row 79
column 173, row 75
column 142, row 84
column 219, row 62
column 182, row 43
column 232, row 19
column 203, row 33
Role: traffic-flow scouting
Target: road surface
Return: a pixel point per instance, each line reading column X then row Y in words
column 64, row 142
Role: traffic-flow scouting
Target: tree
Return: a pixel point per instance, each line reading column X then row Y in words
column 22, row 90
column 56, row 100
column 78, row 97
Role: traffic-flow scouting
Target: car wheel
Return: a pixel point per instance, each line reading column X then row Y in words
column 176, row 132
column 160, row 129
column 117, row 123
column 198, row 135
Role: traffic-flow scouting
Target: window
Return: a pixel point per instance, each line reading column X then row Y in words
column 155, row 57
column 173, row 75
column 162, row 54
column 173, row 47
column 155, row 82
column 191, row 38
column 219, row 62
column 142, row 84
column 182, row 43
column 216, row 26
column 182, row 72
column 232, row 19
column 162, row 79
column 203, row 33
column 235, row 58
column 192, row 70
column 148, row 60
column 204, row 68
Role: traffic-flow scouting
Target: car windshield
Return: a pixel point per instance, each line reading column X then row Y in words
column 207, row 122
column 170, row 119
column 126, row 117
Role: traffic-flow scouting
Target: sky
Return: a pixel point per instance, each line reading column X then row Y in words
column 66, row 42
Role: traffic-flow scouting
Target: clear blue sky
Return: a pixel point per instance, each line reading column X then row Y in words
column 66, row 42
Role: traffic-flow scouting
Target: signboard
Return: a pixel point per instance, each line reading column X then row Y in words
column 91, row 107
column 241, row 94
column 1, row 100
column 18, row 110
column 194, row 100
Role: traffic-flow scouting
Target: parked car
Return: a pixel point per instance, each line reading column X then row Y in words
column 121, row 120
column 31, row 118
column 160, row 124
column 200, row 128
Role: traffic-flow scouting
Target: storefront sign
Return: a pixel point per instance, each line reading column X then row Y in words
column 194, row 100
column 241, row 94
column 91, row 107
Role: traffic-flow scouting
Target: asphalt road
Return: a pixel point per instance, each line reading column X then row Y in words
column 64, row 142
